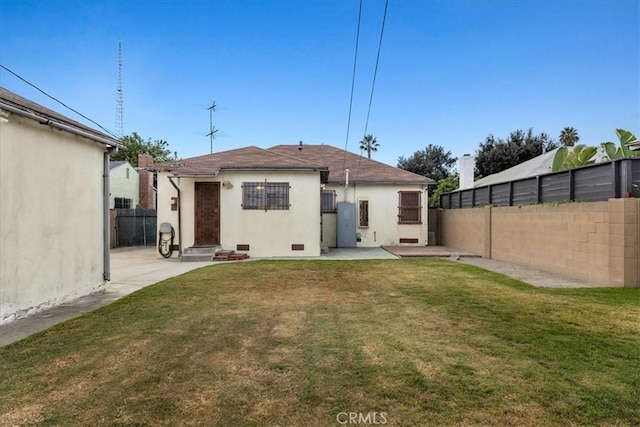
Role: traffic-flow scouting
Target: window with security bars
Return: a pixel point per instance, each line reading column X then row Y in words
column 122, row 203
column 363, row 213
column 265, row 195
column 409, row 207
column 328, row 201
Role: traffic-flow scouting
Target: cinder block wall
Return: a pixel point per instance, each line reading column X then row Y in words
column 597, row 242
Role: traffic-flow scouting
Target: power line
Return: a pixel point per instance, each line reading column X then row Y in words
column 375, row 73
column 59, row 102
column 353, row 82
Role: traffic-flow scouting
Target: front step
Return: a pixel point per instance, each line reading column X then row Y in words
column 199, row 253
column 210, row 253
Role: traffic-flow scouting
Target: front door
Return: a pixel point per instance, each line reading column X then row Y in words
column 207, row 214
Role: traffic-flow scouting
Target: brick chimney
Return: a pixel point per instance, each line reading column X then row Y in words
column 146, row 181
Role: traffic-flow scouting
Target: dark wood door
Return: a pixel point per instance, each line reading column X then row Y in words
column 207, row 214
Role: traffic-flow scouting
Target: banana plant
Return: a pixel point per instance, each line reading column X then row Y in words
column 626, row 138
column 580, row 155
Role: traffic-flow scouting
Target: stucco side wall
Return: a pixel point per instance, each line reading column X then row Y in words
column 269, row 233
column 51, row 217
column 597, row 242
column 121, row 186
column 383, row 226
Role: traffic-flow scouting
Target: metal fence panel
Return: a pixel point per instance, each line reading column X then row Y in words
column 524, row 192
column 482, row 196
column 594, row 183
column 136, row 227
column 555, row 188
column 466, row 200
column 500, row 194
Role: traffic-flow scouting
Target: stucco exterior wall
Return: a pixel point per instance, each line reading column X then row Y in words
column 383, row 226
column 269, row 233
column 122, row 186
column 598, row 242
column 51, row 217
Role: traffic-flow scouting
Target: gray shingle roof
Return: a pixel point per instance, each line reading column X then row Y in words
column 248, row 158
column 361, row 169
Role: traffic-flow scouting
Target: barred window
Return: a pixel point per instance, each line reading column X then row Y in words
column 328, row 201
column 409, row 208
column 122, row 203
column 363, row 213
column 265, row 195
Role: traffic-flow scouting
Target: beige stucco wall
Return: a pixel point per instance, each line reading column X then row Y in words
column 383, row 215
column 51, row 217
column 121, row 186
column 597, row 242
column 269, row 233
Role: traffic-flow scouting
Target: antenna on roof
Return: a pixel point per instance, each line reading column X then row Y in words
column 212, row 129
column 119, row 97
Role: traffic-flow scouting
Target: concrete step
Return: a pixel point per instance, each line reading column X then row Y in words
column 200, row 253
column 196, row 257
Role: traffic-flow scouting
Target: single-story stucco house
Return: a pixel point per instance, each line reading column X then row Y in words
column 290, row 200
column 54, row 201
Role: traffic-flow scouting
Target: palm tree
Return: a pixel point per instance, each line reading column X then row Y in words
column 369, row 144
column 569, row 136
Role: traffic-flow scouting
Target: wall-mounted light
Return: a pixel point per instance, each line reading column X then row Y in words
column 227, row 184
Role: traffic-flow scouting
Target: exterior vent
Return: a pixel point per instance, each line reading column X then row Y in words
column 297, row 247
column 407, row 240
column 242, row 248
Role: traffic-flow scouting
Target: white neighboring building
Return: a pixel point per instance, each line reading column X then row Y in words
column 124, row 185
column 54, row 220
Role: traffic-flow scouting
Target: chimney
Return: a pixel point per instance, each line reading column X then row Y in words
column 467, row 166
column 146, row 181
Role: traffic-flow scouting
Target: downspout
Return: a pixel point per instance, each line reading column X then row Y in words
column 179, row 217
column 106, row 241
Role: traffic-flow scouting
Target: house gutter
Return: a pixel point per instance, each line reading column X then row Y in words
column 179, row 216
column 61, row 126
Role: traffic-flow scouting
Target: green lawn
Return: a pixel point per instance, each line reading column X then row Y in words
column 300, row 343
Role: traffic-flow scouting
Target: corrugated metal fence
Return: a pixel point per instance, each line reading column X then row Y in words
column 133, row 227
column 602, row 181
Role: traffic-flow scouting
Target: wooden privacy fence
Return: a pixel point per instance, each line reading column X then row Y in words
column 133, row 227
column 599, row 182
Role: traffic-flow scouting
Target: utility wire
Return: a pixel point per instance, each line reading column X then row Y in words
column 59, row 102
column 375, row 73
column 353, row 82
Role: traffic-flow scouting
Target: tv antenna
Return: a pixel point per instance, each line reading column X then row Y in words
column 212, row 128
column 119, row 97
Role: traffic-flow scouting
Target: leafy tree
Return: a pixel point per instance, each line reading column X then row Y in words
column 135, row 145
column 369, row 143
column 496, row 154
column 445, row 185
column 569, row 136
column 432, row 162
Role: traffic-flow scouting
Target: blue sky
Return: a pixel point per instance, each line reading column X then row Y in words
column 450, row 73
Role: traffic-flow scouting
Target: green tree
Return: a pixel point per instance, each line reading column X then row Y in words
column 569, row 136
column 135, row 145
column 369, row 143
column 446, row 185
column 433, row 162
column 496, row 154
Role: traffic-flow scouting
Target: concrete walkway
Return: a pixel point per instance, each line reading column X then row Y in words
column 135, row 268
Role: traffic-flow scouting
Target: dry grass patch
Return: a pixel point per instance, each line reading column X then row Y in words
column 427, row 342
